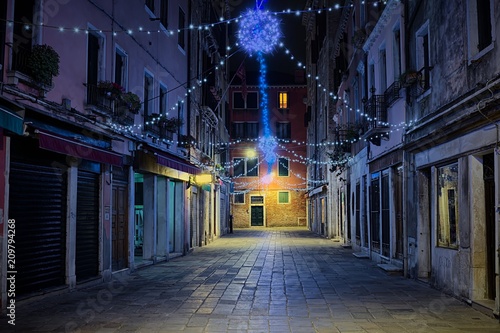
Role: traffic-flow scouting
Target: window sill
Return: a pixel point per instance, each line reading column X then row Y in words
column 165, row 30
column 475, row 58
column 149, row 11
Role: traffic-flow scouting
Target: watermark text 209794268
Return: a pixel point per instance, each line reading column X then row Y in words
column 11, row 271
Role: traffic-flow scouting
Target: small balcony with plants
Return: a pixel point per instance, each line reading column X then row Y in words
column 125, row 109
column 346, row 134
column 110, row 99
column 161, row 126
column 391, row 94
column 186, row 141
column 35, row 67
column 416, row 82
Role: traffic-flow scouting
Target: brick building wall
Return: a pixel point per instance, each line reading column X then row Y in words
column 275, row 214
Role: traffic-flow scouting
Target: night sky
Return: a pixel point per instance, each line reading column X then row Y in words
column 293, row 37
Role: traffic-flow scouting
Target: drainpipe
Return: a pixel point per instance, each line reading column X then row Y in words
column 406, row 164
column 405, row 210
column 188, row 76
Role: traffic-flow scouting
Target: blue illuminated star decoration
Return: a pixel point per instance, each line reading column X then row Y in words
column 260, row 33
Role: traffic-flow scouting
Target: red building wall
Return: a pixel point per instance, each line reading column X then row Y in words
column 267, row 185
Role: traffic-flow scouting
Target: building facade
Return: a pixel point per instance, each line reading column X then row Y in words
column 421, row 175
column 376, row 171
column 323, row 195
column 268, row 194
column 209, row 119
column 101, row 140
column 452, row 149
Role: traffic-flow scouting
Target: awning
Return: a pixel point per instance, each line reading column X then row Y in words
column 177, row 163
column 11, row 121
column 74, row 148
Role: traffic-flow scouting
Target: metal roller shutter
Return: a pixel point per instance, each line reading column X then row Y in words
column 87, row 226
column 38, row 204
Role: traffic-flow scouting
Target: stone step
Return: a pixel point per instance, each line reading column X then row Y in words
column 391, row 269
column 361, row 255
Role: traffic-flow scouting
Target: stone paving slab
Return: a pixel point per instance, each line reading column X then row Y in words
column 264, row 280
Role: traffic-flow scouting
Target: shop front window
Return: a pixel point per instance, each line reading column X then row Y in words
column 447, row 206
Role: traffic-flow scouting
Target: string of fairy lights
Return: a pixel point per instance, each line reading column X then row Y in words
column 154, row 121
column 266, row 141
column 256, row 183
column 172, row 32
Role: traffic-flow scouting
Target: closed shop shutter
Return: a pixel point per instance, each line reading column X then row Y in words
column 87, row 226
column 37, row 202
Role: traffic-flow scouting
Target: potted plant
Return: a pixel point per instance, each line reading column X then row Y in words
column 132, row 102
column 170, row 124
column 110, row 90
column 43, row 64
column 408, row 77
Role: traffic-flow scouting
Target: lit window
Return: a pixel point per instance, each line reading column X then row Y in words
column 283, row 100
column 447, row 206
column 283, row 197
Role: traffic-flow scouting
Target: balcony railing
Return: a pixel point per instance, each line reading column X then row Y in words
column 97, row 98
column 151, row 126
column 391, row 95
column 20, row 58
column 421, row 84
column 376, row 111
column 166, row 134
column 126, row 119
column 186, row 141
column 347, row 134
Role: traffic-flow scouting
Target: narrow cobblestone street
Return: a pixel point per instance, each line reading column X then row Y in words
column 265, row 280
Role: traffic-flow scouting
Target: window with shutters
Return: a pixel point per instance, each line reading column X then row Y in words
column 284, row 197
